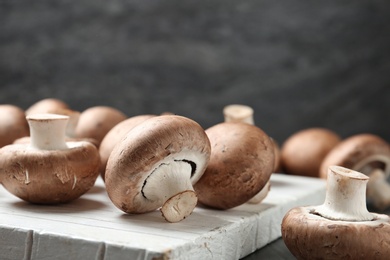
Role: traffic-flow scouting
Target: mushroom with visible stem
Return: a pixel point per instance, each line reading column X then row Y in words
column 115, row 135
column 340, row 228
column 303, row 152
column 369, row 154
column 13, row 124
column 244, row 114
column 241, row 163
column 47, row 169
column 156, row 164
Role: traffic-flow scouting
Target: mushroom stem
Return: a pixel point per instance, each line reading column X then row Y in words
column 345, row 196
column 238, row 113
column 170, row 184
column 47, row 131
column 378, row 189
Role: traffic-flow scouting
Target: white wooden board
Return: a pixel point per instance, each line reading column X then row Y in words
column 91, row 227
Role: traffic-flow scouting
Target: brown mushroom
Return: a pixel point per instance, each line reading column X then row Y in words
column 156, row 165
column 241, row 163
column 369, row 154
column 95, row 122
column 13, row 124
column 115, row 135
column 340, row 228
column 244, row 114
column 302, row 153
column 46, row 105
column 48, row 169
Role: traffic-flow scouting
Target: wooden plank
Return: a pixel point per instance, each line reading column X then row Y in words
column 93, row 228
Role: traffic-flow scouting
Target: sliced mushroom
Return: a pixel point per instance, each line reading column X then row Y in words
column 95, row 122
column 156, row 165
column 369, row 154
column 115, row 135
column 48, row 169
column 241, row 163
column 302, row 153
column 340, row 228
column 13, row 124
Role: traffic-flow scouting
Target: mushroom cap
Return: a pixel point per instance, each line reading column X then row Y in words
column 241, row 163
column 49, row 176
column 95, row 122
column 309, row 236
column 303, row 152
column 359, row 152
column 277, row 153
column 152, row 143
column 115, row 135
column 13, row 124
column 46, row 105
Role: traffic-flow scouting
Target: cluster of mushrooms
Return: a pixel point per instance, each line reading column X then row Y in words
column 52, row 154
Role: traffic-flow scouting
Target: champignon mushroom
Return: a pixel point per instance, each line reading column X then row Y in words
column 241, row 163
column 340, row 228
column 13, row 124
column 46, row 105
column 244, row 114
column 369, row 154
column 115, row 135
column 95, row 122
column 48, row 169
column 302, row 153
column 156, row 165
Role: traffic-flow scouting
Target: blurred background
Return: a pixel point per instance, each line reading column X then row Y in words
column 298, row 63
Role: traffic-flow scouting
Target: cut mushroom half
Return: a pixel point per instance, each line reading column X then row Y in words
column 47, row 169
column 338, row 228
column 156, row 164
column 369, row 154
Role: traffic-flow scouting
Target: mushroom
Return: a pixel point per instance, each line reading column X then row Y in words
column 340, row 228
column 244, row 114
column 369, row 154
column 46, row 105
column 48, row 170
column 302, row 153
column 156, row 164
column 115, row 135
column 241, row 163
column 95, row 122
column 13, row 124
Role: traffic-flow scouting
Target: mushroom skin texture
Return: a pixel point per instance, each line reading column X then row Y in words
column 46, row 106
column 156, row 164
column 95, row 122
column 13, row 124
column 48, row 170
column 241, row 164
column 302, row 153
column 341, row 228
column 369, row 154
column 115, row 135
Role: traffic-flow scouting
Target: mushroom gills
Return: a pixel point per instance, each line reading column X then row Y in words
column 170, row 185
column 168, row 179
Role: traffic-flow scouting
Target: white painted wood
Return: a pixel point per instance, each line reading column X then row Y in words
column 91, row 227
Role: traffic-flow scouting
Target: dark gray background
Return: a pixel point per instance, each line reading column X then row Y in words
column 298, row 63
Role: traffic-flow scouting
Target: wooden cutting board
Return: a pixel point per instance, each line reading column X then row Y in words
column 91, row 227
